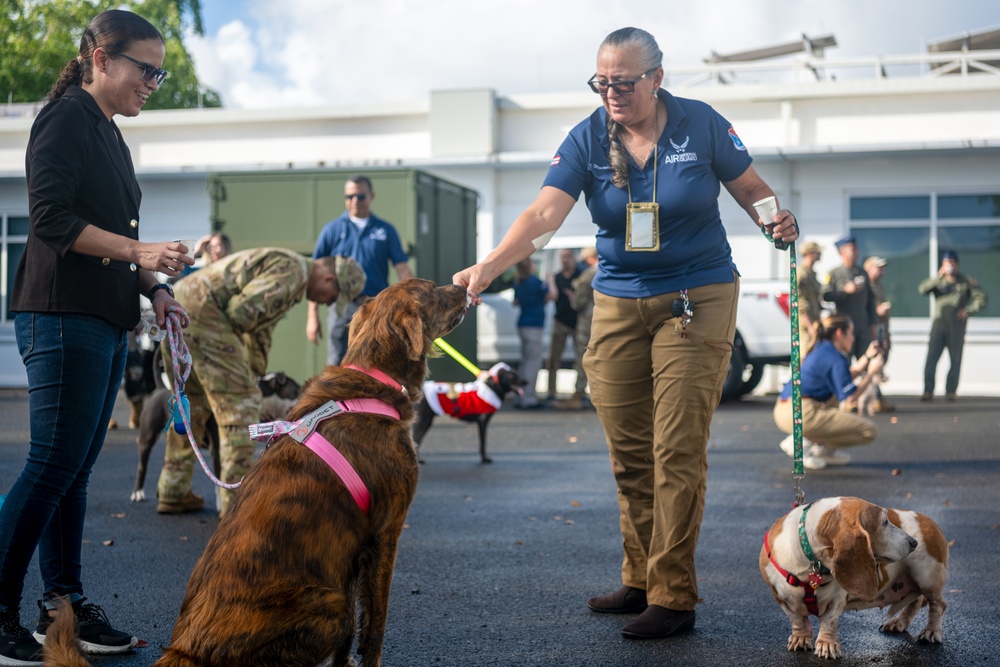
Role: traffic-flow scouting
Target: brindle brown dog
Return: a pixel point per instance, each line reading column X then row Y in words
column 280, row 578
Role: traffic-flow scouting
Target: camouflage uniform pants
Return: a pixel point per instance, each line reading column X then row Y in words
column 221, row 383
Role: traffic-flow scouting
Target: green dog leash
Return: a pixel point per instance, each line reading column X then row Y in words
column 798, row 470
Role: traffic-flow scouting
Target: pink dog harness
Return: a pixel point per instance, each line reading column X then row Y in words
column 304, row 432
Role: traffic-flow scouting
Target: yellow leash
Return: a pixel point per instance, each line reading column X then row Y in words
column 457, row 356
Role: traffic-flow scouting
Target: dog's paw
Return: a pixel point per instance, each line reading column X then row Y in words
column 139, row 496
column 931, row 635
column 895, row 625
column 828, row 649
column 800, row 642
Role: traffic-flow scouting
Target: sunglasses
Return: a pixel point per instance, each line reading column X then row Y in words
column 620, row 87
column 148, row 71
column 360, row 197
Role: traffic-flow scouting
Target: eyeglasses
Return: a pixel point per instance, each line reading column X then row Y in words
column 148, row 71
column 620, row 87
column 360, row 196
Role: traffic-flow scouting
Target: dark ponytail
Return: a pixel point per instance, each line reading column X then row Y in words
column 113, row 30
column 827, row 327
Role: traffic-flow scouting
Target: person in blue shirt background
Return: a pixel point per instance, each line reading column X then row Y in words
column 530, row 295
column 651, row 167
column 827, row 374
column 368, row 240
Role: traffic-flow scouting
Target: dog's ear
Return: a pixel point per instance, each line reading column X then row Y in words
column 411, row 326
column 854, row 563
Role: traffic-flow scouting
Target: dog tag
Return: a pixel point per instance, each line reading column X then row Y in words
column 179, row 413
column 815, row 579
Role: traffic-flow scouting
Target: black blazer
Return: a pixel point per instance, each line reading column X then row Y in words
column 79, row 172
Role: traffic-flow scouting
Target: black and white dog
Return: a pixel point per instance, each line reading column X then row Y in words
column 471, row 402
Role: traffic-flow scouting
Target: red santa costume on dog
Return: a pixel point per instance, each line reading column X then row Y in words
column 469, row 399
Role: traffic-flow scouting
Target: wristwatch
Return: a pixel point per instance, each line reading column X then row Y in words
column 159, row 286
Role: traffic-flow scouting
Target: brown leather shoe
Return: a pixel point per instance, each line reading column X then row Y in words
column 657, row 622
column 950, row 398
column 189, row 503
column 926, row 396
column 626, row 600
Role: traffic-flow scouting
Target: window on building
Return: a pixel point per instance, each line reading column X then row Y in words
column 912, row 232
column 13, row 237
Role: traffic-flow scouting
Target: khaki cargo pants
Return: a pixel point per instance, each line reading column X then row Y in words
column 826, row 423
column 655, row 393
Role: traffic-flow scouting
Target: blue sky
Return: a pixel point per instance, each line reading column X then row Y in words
column 292, row 53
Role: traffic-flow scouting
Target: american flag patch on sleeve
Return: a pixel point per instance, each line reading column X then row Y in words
column 555, row 161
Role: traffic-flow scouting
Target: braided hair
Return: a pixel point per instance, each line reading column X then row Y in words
column 650, row 56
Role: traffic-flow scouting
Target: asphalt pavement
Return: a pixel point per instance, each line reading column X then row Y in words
column 497, row 561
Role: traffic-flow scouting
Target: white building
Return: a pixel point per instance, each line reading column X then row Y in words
column 903, row 152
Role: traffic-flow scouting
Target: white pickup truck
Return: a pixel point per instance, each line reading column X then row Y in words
column 762, row 336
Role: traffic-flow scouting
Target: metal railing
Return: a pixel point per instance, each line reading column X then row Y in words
column 808, row 68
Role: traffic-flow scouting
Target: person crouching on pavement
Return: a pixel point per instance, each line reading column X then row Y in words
column 827, row 374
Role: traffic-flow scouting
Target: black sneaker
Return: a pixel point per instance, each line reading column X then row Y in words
column 95, row 632
column 17, row 646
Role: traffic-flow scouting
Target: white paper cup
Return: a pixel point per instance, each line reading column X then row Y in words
column 766, row 209
column 190, row 243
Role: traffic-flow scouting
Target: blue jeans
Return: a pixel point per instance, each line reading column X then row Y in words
column 75, row 365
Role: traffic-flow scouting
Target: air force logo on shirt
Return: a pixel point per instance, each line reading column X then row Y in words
column 379, row 234
column 736, row 140
column 680, row 152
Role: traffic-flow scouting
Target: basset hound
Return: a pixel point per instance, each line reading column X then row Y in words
column 839, row 554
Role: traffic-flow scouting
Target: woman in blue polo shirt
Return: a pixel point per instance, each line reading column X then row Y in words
column 651, row 167
column 826, row 374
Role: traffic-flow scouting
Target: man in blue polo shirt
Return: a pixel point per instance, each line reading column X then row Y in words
column 371, row 242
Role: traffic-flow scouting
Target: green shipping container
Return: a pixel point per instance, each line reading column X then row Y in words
column 436, row 221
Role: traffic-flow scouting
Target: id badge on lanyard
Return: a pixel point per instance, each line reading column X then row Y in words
column 642, row 219
column 642, row 227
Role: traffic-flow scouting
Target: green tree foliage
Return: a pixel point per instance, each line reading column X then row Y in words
column 38, row 38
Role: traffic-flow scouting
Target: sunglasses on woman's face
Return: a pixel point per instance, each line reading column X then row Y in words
column 148, row 71
column 620, row 87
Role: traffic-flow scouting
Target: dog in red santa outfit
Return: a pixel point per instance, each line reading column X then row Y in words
column 474, row 401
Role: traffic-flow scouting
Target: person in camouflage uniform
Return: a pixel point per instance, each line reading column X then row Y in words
column 234, row 305
column 956, row 297
column 849, row 289
column 875, row 268
column 583, row 303
column 810, row 294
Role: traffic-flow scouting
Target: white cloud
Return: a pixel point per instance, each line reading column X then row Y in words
column 312, row 52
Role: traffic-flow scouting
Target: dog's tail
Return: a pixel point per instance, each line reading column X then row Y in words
column 61, row 647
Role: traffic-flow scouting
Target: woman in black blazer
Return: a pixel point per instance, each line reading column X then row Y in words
column 76, row 293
